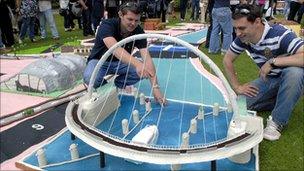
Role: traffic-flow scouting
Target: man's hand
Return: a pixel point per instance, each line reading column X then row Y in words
column 158, row 96
column 142, row 71
column 146, row 69
column 247, row 89
column 265, row 69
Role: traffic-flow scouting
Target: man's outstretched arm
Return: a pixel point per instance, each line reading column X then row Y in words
column 127, row 58
column 149, row 65
column 144, row 69
column 246, row 89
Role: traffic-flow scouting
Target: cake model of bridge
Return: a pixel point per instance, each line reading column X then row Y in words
column 83, row 115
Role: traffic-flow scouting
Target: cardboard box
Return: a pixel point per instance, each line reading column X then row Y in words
column 153, row 24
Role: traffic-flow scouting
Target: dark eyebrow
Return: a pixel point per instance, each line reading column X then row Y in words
column 240, row 27
column 130, row 19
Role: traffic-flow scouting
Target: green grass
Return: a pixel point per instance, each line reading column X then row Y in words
column 285, row 154
column 66, row 38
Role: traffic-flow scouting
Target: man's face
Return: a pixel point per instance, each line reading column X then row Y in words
column 245, row 30
column 130, row 20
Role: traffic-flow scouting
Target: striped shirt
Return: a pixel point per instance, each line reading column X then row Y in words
column 276, row 40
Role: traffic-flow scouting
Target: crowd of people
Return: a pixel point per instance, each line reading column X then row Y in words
column 28, row 18
column 220, row 11
column 25, row 18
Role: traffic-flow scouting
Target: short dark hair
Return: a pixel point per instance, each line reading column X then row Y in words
column 129, row 6
column 252, row 12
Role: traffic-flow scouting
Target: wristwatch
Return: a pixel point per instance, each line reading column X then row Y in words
column 272, row 62
column 155, row 86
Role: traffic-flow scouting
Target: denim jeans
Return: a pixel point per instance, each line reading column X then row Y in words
column 127, row 74
column 279, row 94
column 286, row 8
column 47, row 16
column 195, row 9
column 27, row 23
column 97, row 13
column 183, row 8
column 66, row 20
column 221, row 21
column 86, row 21
column 294, row 7
column 300, row 14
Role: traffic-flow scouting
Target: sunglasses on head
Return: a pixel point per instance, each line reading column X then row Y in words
column 243, row 11
column 130, row 4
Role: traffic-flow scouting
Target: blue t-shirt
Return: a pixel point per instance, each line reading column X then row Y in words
column 111, row 28
column 276, row 40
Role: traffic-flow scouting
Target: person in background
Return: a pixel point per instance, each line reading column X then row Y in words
column 161, row 9
column 279, row 54
column 208, row 11
column 286, row 8
column 246, row 1
column 269, row 9
column 46, row 16
column 2, row 46
column 233, row 5
column 75, row 12
column 221, row 22
column 195, row 10
column 86, row 17
column 170, row 11
column 274, row 6
column 3, row 49
column 64, row 11
column 261, row 4
column 300, row 13
column 294, row 8
column 129, row 69
column 183, row 8
column 28, row 12
column 97, row 12
column 7, row 36
column 112, row 8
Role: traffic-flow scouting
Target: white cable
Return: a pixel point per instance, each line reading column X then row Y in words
column 183, row 106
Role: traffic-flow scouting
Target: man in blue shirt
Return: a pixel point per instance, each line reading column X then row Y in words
column 279, row 54
column 122, row 63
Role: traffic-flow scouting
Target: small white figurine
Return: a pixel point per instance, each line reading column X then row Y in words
column 41, row 158
column 135, row 92
column 193, row 126
column 148, row 105
column 125, row 126
column 135, row 116
column 142, row 99
column 200, row 114
column 74, row 151
column 216, row 109
column 185, row 142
